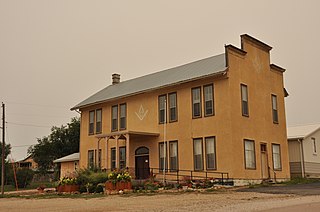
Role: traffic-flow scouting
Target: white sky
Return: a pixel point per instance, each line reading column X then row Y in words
column 54, row 54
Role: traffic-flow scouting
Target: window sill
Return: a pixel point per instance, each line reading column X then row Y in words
column 245, row 115
column 251, row 168
column 196, row 117
column 275, row 122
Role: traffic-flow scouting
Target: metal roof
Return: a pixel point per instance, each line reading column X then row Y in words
column 302, row 131
column 184, row 73
column 72, row 157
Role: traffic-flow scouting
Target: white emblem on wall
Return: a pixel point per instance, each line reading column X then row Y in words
column 142, row 113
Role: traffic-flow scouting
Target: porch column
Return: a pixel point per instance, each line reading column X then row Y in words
column 127, row 151
column 117, row 152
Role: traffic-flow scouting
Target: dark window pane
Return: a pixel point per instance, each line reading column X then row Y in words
column 196, row 102
column 123, row 116
column 91, row 122
column 209, row 109
column 114, row 123
column 162, row 109
column 113, row 158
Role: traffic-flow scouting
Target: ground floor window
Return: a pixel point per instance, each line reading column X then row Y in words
column 249, row 152
column 173, row 150
column 210, row 153
column 122, row 157
column 90, row 159
column 276, row 156
column 163, row 156
column 197, row 154
column 113, row 158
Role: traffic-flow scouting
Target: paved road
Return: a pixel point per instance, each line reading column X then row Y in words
column 299, row 189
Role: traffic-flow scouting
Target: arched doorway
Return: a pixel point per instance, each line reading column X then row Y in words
column 142, row 163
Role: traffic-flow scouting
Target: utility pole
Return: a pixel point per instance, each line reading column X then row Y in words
column 3, row 148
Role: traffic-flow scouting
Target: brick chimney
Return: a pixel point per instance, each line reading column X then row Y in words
column 115, row 79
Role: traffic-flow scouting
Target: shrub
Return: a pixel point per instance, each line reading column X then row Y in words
column 24, row 177
column 91, row 180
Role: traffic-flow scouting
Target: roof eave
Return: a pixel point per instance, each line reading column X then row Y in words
column 217, row 74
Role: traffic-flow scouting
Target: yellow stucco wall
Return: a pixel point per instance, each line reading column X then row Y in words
column 228, row 126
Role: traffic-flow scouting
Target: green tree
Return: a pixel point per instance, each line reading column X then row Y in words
column 62, row 141
column 7, row 150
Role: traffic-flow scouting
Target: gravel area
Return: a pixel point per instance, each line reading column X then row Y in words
column 189, row 201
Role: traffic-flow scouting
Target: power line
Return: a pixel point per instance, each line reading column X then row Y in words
column 28, row 125
column 37, row 105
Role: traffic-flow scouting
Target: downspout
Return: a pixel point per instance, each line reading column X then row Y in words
column 302, row 158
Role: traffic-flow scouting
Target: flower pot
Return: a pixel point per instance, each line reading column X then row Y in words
column 68, row 188
column 128, row 185
column 109, row 186
column 120, row 185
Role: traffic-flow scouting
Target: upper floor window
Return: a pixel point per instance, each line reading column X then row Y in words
column 91, row 122
column 196, row 102
column 314, row 145
column 244, row 100
column 173, row 151
column 249, row 153
column 274, row 108
column 162, row 109
column 114, row 115
column 276, row 156
column 197, row 154
column 208, row 100
column 210, row 153
column 98, row 121
column 173, row 107
column 123, row 115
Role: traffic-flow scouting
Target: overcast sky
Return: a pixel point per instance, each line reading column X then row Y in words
column 54, row 54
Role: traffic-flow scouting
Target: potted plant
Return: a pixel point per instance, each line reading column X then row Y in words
column 68, row 184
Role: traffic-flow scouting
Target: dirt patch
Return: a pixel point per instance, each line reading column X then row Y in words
column 188, row 201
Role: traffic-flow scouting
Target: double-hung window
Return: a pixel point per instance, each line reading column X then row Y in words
column 276, row 156
column 210, row 153
column 173, row 149
column 197, row 154
column 113, row 158
column 244, row 100
column 274, row 108
column 173, row 107
column 98, row 121
column 122, row 157
column 114, row 115
column 163, row 159
column 208, row 100
column 91, row 122
column 196, row 102
column 123, row 116
column 162, row 108
column 90, row 159
column 249, row 152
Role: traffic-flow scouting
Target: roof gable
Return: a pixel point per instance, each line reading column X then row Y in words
column 302, row 131
column 184, row 73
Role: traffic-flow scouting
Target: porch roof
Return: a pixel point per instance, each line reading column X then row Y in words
column 128, row 132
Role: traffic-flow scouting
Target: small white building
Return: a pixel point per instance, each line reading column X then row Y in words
column 68, row 164
column 304, row 151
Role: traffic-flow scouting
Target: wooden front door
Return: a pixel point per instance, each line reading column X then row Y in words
column 142, row 167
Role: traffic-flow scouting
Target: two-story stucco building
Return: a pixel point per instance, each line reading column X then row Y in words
column 224, row 113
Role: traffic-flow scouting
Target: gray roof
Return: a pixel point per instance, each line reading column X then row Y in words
column 302, row 131
column 68, row 158
column 188, row 72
